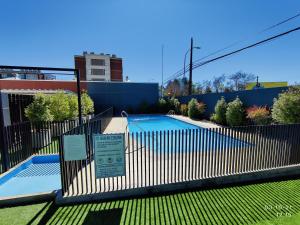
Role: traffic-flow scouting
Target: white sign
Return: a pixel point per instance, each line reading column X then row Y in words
column 74, row 147
column 109, row 155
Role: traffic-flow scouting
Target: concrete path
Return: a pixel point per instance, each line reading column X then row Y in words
column 201, row 123
column 116, row 125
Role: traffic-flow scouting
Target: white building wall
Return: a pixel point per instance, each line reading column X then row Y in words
column 89, row 67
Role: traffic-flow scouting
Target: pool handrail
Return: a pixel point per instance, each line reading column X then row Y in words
column 124, row 112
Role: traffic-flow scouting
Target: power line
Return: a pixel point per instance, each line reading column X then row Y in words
column 233, row 44
column 241, row 49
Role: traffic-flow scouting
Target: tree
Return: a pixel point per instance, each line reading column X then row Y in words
column 38, row 110
column 87, row 104
column 240, row 79
column 235, row 114
column 220, row 112
column 207, row 86
column 286, row 108
column 59, row 106
column 73, row 106
column 218, row 83
column 173, row 88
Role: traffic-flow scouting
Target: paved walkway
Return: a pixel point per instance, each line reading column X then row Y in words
column 202, row 123
column 116, row 125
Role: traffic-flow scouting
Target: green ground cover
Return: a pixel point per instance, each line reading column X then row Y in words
column 260, row 204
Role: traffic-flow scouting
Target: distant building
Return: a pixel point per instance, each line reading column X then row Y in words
column 258, row 85
column 11, row 74
column 99, row 67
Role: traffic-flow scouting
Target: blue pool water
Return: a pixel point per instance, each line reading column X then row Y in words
column 37, row 175
column 207, row 140
column 138, row 123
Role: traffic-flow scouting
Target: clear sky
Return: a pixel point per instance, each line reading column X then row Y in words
column 49, row 33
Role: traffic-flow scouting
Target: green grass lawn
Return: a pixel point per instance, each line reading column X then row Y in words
column 259, row 204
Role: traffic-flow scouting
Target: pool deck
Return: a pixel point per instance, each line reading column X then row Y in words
column 116, row 125
column 201, row 123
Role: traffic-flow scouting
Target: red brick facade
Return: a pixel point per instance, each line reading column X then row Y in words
column 116, row 69
column 41, row 85
column 80, row 65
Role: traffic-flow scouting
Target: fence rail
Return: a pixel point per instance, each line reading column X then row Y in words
column 22, row 140
column 167, row 157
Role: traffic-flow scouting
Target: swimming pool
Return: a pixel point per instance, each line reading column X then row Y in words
column 207, row 139
column 138, row 123
column 39, row 174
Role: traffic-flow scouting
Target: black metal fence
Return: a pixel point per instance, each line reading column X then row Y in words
column 168, row 157
column 17, row 105
column 23, row 140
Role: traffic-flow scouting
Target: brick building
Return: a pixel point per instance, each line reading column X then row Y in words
column 99, row 67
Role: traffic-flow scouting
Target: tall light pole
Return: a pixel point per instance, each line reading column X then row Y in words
column 191, row 62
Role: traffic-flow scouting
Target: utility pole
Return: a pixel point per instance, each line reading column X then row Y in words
column 191, row 68
column 162, row 71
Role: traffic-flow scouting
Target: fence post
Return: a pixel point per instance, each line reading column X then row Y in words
column 3, row 145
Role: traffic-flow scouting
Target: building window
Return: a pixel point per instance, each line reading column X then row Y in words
column 98, row 71
column 97, row 62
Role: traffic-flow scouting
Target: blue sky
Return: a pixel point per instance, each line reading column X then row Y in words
column 49, row 33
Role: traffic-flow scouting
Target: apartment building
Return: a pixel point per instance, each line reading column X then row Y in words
column 99, row 67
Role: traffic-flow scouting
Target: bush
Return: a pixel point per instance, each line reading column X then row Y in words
column 195, row 109
column 174, row 104
column 38, row 110
column 73, row 106
column 259, row 115
column 87, row 104
column 235, row 114
column 59, row 106
column 184, row 109
column 220, row 112
column 286, row 108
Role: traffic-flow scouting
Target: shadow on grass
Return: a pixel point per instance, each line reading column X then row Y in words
column 247, row 204
column 103, row 217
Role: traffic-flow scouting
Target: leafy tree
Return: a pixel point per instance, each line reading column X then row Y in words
column 195, row 109
column 207, row 86
column 235, row 114
column 87, row 104
column 286, row 108
column 220, row 112
column 240, row 79
column 59, row 106
column 38, row 110
column 162, row 106
column 173, row 88
column 218, row 83
column 174, row 104
column 73, row 106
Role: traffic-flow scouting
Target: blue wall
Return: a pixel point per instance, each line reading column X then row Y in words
column 122, row 95
column 259, row 97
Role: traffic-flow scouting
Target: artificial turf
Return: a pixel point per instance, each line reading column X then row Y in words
column 260, row 204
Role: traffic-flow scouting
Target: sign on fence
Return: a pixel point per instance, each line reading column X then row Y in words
column 74, row 147
column 109, row 155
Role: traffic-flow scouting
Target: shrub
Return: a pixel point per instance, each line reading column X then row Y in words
column 87, row 104
column 235, row 114
column 38, row 110
column 184, row 109
column 195, row 109
column 286, row 108
column 73, row 106
column 220, row 112
column 259, row 115
column 174, row 104
column 59, row 106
